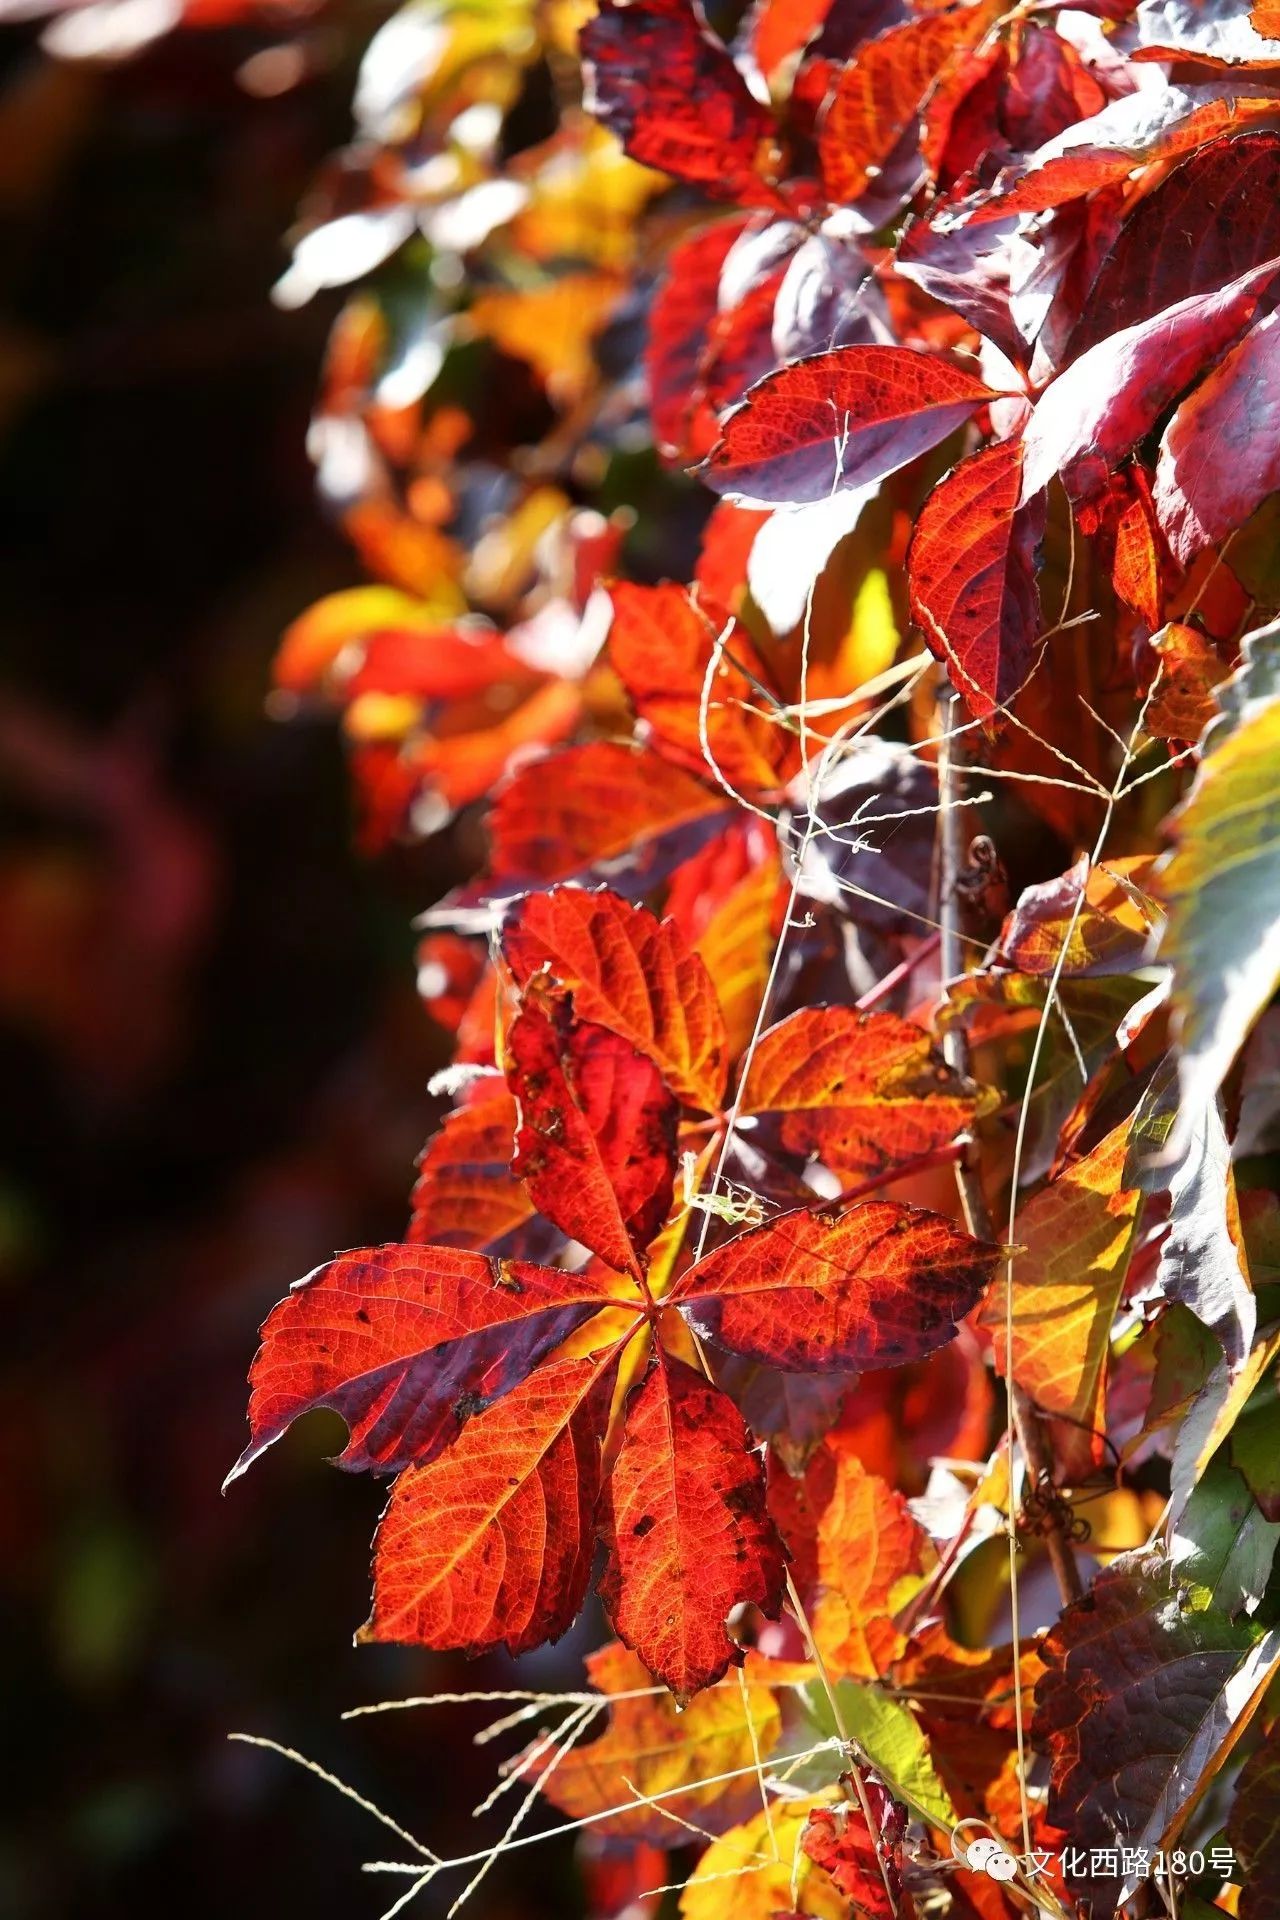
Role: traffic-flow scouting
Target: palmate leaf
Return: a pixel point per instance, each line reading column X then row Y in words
column 687, row 1537
column 1141, row 1698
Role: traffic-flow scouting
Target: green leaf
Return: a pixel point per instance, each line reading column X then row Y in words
column 1224, row 1547
column 1222, row 885
column 890, row 1736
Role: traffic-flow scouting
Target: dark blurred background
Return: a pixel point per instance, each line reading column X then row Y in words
column 213, row 1059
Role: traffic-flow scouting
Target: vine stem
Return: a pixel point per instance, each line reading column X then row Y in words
column 973, row 1201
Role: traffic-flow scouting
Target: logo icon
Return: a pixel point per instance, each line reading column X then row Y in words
column 986, row 1855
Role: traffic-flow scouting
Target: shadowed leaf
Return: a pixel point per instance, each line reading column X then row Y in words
column 1140, row 1699
column 405, row 1342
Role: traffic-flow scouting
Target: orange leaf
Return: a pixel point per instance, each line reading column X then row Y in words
column 882, row 91
column 1190, row 668
column 466, row 1194
column 862, row 1091
column 724, row 901
column 824, row 1292
column 491, row 1544
column 1075, row 1240
column 685, row 1529
column 662, row 643
column 562, row 817
column 654, row 1748
column 630, row 972
column 859, row 1555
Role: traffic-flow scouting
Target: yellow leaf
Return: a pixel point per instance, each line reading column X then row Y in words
column 739, row 1877
column 649, row 1748
column 1075, row 1239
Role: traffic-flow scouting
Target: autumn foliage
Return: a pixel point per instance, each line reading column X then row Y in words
column 818, row 466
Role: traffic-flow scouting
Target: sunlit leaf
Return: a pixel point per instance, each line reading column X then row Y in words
column 687, row 1538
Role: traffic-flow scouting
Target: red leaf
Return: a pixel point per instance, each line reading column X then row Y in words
column 668, row 89
column 1093, row 414
column 826, row 1292
column 630, row 972
column 1220, row 455
column 596, row 1143
column 727, row 540
column 971, row 575
column 724, row 900
column 843, row 418
column 466, row 1194
column 1138, row 128
column 683, row 313
column 1168, row 250
column 491, row 1544
column 406, row 1342
column 1136, row 572
column 685, row 1529
column 782, row 28
column 862, row 1091
column 881, row 92
column 661, row 645
column 559, row 818
column 839, row 1841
